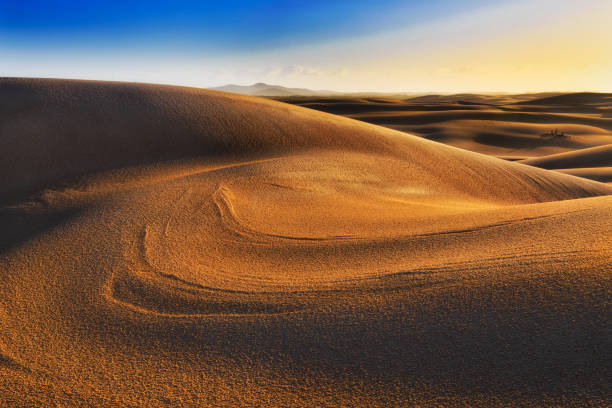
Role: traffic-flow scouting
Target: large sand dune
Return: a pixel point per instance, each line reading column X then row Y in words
column 168, row 246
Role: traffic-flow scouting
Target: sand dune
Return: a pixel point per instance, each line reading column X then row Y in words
column 78, row 129
column 593, row 157
column 603, row 174
column 573, row 99
column 493, row 99
column 594, row 163
column 171, row 246
column 499, row 125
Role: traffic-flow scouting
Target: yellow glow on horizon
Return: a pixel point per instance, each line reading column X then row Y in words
column 572, row 51
column 521, row 46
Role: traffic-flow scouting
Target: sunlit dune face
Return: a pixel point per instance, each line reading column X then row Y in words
column 294, row 245
column 237, row 228
column 166, row 246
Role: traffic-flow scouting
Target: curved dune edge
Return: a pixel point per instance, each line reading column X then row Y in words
column 600, row 156
column 496, row 126
column 197, row 248
column 601, row 174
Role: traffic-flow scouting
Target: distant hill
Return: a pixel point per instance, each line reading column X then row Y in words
column 262, row 89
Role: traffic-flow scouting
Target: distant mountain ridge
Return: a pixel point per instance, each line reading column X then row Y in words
column 263, row 89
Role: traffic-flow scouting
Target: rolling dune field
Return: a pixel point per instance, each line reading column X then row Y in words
column 507, row 126
column 170, row 246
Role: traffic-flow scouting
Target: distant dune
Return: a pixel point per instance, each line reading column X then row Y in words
column 495, row 99
column 593, row 157
column 499, row 125
column 580, row 99
column 169, row 246
column 603, row 174
column 594, row 163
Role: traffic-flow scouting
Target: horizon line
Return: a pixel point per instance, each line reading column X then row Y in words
column 322, row 91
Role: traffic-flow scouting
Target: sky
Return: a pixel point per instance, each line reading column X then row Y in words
column 441, row 46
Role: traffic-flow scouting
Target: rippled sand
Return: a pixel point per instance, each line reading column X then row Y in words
column 168, row 246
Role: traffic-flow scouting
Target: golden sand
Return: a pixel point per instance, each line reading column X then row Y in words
column 166, row 246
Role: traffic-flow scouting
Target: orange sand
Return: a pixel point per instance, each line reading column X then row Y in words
column 504, row 126
column 169, row 246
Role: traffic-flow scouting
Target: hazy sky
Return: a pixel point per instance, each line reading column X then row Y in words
column 384, row 45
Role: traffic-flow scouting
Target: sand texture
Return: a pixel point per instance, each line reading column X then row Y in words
column 517, row 126
column 167, row 246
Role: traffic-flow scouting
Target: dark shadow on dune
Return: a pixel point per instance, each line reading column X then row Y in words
column 347, row 108
column 599, row 156
column 551, row 109
column 580, row 98
column 6, row 362
column 476, row 347
column 435, row 117
column 9, row 363
column 19, row 226
column 511, row 141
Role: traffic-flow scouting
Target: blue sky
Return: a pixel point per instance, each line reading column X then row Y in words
column 200, row 26
column 386, row 45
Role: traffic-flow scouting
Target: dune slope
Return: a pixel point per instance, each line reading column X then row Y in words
column 178, row 247
column 600, row 156
column 603, row 174
column 503, row 126
column 594, row 163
